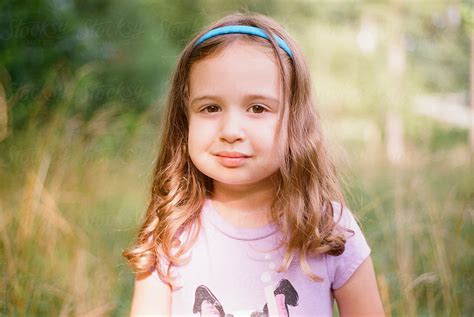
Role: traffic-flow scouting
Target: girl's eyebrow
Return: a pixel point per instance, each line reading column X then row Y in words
column 252, row 96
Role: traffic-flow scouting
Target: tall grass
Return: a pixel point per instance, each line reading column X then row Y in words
column 71, row 197
column 417, row 217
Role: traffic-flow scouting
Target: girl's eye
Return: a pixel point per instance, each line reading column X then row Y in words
column 260, row 109
column 212, row 107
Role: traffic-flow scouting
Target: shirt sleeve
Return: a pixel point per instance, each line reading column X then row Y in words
column 164, row 262
column 341, row 268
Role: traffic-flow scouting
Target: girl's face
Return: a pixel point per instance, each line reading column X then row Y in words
column 234, row 104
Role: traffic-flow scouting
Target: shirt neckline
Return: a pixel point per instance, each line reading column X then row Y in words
column 232, row 231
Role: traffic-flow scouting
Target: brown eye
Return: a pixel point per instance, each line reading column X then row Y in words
column 213, row 107
column 260, row 109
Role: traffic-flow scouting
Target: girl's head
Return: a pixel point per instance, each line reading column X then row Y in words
column 240, row 93
column 232, row 93
column 234, row 107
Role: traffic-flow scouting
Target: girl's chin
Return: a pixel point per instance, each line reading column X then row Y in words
column 234, row 180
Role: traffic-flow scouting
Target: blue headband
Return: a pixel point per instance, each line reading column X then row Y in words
column 243, row 29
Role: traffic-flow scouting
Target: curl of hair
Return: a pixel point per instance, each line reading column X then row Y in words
column 305, row 187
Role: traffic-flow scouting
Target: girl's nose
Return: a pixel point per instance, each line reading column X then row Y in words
column 232, row 128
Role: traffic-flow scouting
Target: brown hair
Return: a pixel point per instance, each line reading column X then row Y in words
column 306, row 183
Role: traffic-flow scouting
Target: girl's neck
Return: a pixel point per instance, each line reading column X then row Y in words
column 243, row 206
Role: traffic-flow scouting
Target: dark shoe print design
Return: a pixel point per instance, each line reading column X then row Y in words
column 207, row 304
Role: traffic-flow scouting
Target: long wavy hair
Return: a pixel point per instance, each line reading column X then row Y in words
column 306, row 185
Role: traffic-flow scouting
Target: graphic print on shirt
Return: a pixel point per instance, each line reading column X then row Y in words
column 207, row 304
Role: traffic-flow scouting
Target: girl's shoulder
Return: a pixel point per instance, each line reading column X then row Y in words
column 183, row 241
column 343, row 216
column 356, row 248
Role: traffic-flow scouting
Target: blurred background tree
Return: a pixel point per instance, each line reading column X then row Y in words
column 81, row 95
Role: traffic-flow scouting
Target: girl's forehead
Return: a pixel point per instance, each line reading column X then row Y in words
column 241, row 46
column 239, row 68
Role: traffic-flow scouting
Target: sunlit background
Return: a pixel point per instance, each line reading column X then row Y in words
column 82, row 85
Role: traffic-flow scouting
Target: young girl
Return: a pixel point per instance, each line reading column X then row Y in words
column 246, row 217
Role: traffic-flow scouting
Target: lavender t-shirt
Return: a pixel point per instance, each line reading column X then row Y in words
column 232, row 272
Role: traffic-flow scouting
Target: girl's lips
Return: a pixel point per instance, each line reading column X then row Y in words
column 232, row 154
column 231, row 161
